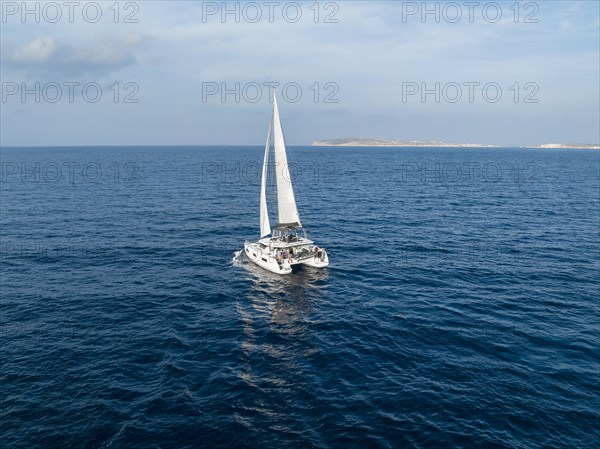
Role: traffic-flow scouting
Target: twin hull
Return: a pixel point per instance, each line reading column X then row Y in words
column 278, row 259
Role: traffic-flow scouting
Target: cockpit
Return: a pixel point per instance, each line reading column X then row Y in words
column 289, row 234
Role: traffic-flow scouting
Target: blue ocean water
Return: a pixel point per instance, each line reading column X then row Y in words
column 460, row 309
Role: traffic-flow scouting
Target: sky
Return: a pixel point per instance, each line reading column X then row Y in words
column 199, row 73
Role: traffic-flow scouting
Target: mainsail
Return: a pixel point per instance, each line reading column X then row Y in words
column 287, row 212
column 265, row 226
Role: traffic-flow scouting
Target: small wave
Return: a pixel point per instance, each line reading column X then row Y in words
column 236, row 261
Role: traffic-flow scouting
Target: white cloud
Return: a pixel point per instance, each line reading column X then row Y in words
column 37, row 51
column 48, row 55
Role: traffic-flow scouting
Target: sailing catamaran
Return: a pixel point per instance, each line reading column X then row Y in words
column 287, row 244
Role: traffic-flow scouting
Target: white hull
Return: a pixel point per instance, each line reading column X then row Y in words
column 317, row 262
column 278, row 257
column 265, row 260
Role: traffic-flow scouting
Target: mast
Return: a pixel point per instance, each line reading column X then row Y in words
column 265, row 226
column 287, row 211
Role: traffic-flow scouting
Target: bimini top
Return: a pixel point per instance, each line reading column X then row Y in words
column 284, row 226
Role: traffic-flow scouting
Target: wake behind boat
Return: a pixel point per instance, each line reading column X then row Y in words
column 287, row 244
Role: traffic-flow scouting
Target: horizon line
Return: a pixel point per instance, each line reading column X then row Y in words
column 486, row 146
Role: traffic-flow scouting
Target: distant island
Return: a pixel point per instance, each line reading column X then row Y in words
column 364, row 142
column 588, row 146
column 368, row 142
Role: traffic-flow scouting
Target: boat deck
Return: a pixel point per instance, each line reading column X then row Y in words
column 283, row 242
column 298, row 251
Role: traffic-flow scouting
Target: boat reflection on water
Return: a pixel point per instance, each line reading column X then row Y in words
column 284, row 301
column 277, row 345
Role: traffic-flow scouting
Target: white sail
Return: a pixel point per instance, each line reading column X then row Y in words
column 265, row 226
column 287, row 212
